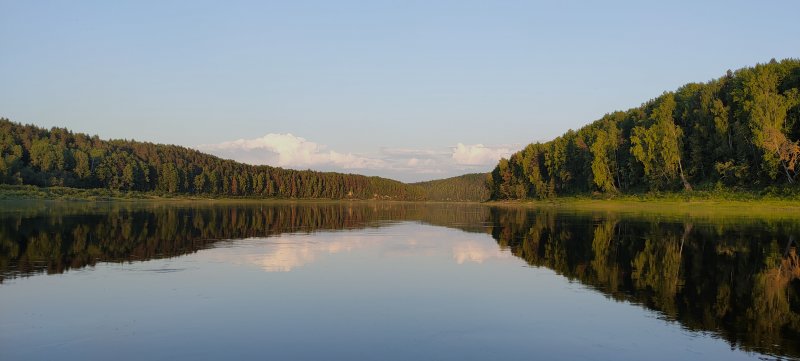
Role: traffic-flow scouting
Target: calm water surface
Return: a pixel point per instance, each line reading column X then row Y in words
column 392, row 281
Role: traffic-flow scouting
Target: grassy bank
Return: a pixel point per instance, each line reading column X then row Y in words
column 719, row 200
column 695, row 203
column 20, row 192
column 28, row 192
column 25, row 192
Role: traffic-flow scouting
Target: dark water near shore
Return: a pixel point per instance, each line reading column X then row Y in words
column 392, row 281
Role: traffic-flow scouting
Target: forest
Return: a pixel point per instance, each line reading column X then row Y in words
column 30, row 155
column 467, row 187
column 740, row 132
column 737, row 132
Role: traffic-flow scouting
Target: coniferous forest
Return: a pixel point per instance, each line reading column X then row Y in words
column 740, row 131
column 31, row 155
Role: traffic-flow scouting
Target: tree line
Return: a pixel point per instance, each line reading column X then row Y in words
column 467, row 187
column 738, row 131
column 32, row 155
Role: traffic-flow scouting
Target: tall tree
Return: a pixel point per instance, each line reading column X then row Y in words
column 657, row 143
column 766, row 111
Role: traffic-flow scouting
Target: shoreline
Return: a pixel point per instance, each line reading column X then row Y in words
column 672, row 202
column 67, row 194
column 761, row 208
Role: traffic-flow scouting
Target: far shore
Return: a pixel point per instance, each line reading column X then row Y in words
column 28, row 192
column 674, row 203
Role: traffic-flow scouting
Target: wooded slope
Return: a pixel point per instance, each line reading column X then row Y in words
column 738, row 131
column 58, row 157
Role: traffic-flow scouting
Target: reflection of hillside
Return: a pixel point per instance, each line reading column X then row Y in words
column 738, row 279
column 56, row 236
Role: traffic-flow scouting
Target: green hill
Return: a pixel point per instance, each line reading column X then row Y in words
column 739, row 131
column 467, row 187
column 57, row 157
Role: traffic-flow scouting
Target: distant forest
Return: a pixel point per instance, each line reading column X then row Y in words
column 32, row 155
column 740, row 131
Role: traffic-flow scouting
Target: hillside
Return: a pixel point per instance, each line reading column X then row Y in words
column 31, row 155
column 739, row 131
column 467, row 187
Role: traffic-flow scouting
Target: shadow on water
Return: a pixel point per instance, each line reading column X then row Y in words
column 735, row 277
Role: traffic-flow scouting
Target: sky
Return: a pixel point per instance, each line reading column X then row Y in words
column 411, row 90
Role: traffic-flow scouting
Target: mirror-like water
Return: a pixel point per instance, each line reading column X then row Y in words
column 392, row 281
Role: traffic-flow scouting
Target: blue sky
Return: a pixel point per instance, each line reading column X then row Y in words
column 412, row 90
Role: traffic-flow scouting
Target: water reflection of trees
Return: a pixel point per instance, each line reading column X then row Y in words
column 53, row 237
column 738, row 278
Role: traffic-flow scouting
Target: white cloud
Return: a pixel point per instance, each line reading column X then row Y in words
column 410, row 152
column 421, row 163
column 287, row 150
column 405, row 164
column 478, row 154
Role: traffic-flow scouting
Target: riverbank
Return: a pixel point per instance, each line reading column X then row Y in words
column 26, row 192
column 667, row 204
column 29, row 192
column 702, row 201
